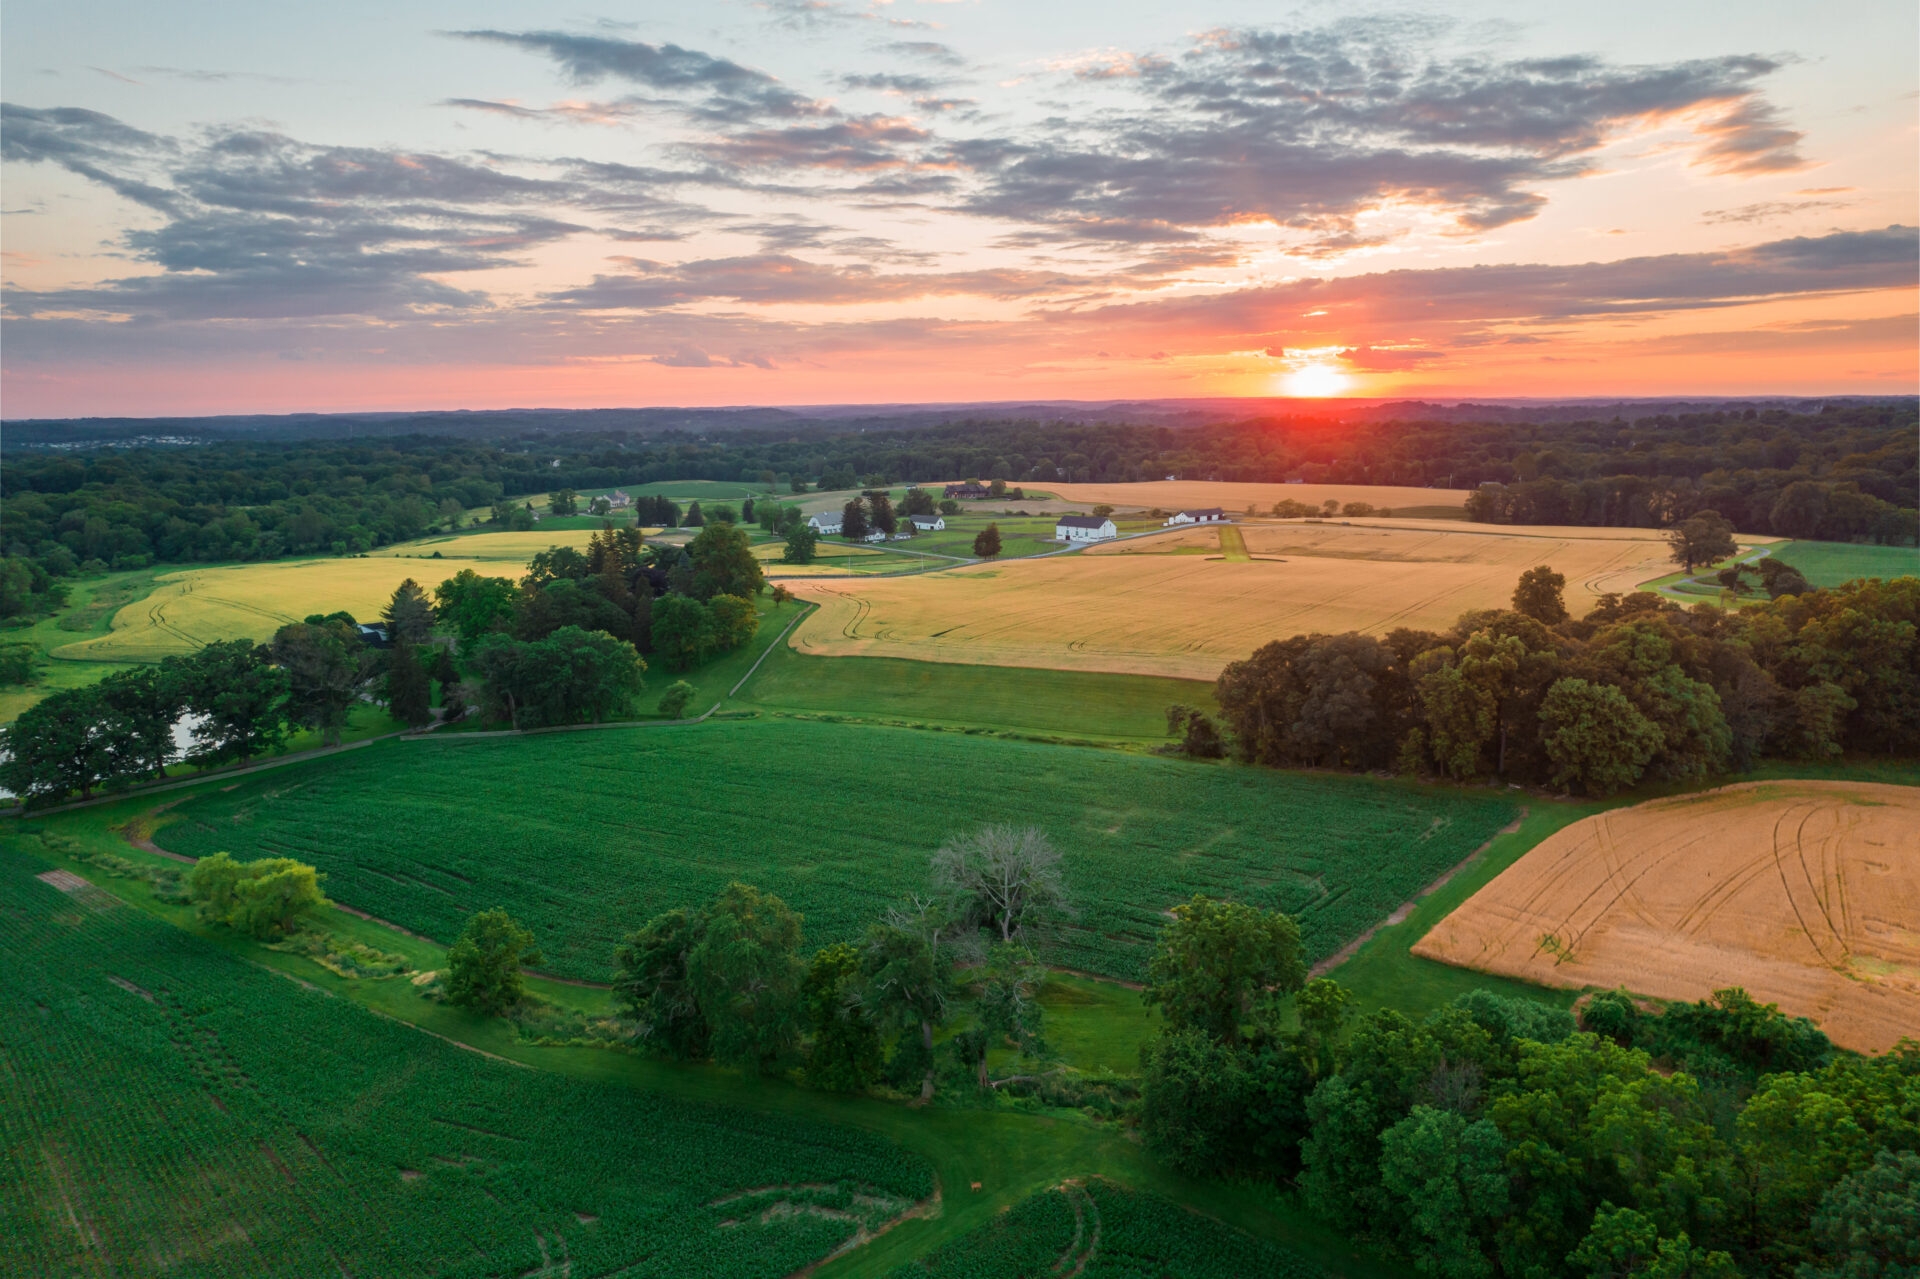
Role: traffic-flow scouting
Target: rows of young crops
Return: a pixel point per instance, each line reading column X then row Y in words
column 1104, row 1231
column 586, row 836
column 166, row 1108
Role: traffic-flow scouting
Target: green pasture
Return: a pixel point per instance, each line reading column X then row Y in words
column 1836, row 563
column 1031, row 700
column 587, row 835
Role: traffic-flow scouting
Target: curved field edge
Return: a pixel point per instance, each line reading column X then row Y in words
column 1385, row 973
column 585, row 836
column 1801, row 891
column 1010, row 1155
column 302, row 1133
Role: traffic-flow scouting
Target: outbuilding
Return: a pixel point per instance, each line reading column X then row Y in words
column 1084, row 528
column 929, row 523
column 1205, row 515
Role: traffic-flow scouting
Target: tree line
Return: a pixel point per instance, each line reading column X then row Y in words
column 1639, row 687
column 560, row 646
column 1504, row 1139
column 1849, row 472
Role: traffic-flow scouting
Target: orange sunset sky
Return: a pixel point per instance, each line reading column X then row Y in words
column 241, row 208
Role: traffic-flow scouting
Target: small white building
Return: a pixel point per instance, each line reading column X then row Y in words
column 1206, row 515
column 1084, row 528
column 929, row 523
column 826, row 524
column 875, row 535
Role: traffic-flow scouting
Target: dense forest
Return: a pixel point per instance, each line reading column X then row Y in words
column 1849, row 472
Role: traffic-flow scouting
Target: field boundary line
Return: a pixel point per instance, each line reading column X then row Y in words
column 1406, row 908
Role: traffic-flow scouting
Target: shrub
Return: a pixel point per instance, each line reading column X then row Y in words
column 265, row 898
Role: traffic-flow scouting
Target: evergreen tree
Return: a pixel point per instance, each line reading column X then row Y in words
column 986, row 543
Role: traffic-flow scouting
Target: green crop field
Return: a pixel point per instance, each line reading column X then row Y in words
column 585, row 836
column 1834, row 563
column 1103, row 1231
column 1069, row 703
column 169, row 1109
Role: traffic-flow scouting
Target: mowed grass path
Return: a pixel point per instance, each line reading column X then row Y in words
column 586, row 836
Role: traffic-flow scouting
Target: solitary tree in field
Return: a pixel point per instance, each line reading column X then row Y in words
column 1004, row 878
column 673, row 702
column 1701, row 539
column 1101, row 511
column 483, row 965
column 802, row 545
column 986, row 543
column 1540, row 595
column 1217, row 961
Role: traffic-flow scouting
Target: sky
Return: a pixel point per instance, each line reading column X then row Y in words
column 244, row 208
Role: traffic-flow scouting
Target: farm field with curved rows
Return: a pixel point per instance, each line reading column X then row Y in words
column 1174, row 604
column 172, row 1109
column 1807, row 893
column 586, row 836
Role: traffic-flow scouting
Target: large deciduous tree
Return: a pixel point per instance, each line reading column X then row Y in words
column 474, row 605
column 484, row 962
column 325, row 664
column 1541, row 595
column 723, row 563
column 1701, row 539
column 746, row 973
column 1003, row 878
column 1218, row 962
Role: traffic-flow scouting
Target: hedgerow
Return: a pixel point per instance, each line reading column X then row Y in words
column 168, row 1108
column 584, row 837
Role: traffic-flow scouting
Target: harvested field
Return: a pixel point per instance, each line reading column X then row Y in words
column 1807, row 893
column 1162, row 606
column 190, row 609
column 1170, row 495
column 513, row 548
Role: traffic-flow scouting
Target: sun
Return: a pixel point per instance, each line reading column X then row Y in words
column 1316, row 381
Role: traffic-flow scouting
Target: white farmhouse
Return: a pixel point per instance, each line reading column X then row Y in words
column 1084, row 528
column 1206, row 515
column 826, row 524
column 929, row 524
column 875, row 535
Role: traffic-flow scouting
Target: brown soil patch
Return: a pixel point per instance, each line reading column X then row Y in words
column 1805, row 893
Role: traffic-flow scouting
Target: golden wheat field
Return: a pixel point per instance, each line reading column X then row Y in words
column 1805, row 893
column 1171, row 495
column 515, row 548
column 252, row 601
column 1164, row 605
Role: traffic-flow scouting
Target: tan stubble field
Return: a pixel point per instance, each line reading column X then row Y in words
column 1162, row 606
column 1806, row 893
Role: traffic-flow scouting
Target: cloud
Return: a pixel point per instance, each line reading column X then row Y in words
column 863, row 142
column 891, row 82
column 1310, row 129
column 778, row 278
column 713, row 88
column 1768, row 211
column 932, row 50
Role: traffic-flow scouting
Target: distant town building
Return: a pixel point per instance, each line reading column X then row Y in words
column 969, row 491
column 1205, row 515
column 1084, row 528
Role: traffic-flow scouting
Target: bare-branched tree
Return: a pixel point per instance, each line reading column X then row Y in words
column 1001, row 877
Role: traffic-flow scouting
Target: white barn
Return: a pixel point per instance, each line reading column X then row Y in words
column 826, row 524
column 929, row 523
column 1084, row 528
column 1206, row 515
